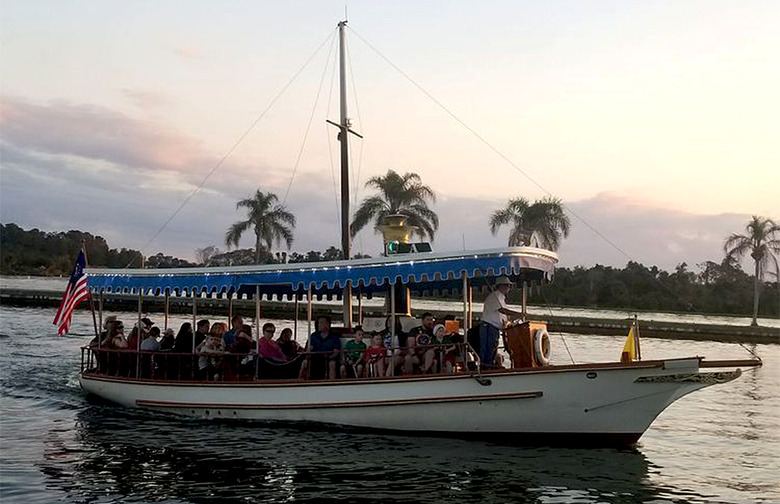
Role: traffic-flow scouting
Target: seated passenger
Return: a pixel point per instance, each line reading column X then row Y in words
column 183, row 341
column 325, row 347
column 202, row 329
column 267, row 347
column 116, row 336
column 353, row 360
column 438, row 353
column 236, row 323
column 210, row 359
column 428, row 321
column 135, row 339
column 241, row 365
column 181, row 366
column 114, row 340
column 289, row 346
column 375, row 357
column 244, row 342
column 167, row 340
column 398, row 349
column 150, row 344
column 411, row 357
column 107, row 322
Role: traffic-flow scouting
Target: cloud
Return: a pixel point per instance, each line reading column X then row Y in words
column 188, row 52
column 69, row 166
column 625, row 228
column 145, row 100
column 97, row 133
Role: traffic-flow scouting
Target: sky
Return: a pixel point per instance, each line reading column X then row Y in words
column 656, row 123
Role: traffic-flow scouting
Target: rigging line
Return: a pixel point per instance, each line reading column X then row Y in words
column 330, row 148
column 508, row 161
column 356, row 179
column 549, row 308
column 311, row 118
column 484, row 141
column 230, row 151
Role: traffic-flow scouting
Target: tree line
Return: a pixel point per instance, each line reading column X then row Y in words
column 719, row 287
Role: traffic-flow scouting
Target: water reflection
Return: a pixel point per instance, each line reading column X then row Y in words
column 122, row 454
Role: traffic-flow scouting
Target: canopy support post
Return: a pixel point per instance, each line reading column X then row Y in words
column 194, row 318
column 138, row 333
column 392, row 330
column 471, row 307
column 525, row 301
column 230, row 310
column 360, row 307
column 295, row 320
column 100, row 315
column 167, row 306
column 308, row 314
column 465, row 302
column 257, row 315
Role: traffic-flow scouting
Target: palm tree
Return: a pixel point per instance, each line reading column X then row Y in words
column 405, row 195
column 544, row 219
column 271, row 222
column 762, row 243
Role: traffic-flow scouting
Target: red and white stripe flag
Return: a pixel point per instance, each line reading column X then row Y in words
column 75, row 293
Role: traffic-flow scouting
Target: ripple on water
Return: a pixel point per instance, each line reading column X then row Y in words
column 715, row 445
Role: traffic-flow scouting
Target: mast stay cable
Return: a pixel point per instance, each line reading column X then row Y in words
column 504, row 157
column 330, row 146
column 311, row 118
column 484, row 141
column 356, row 177
column 241, row 138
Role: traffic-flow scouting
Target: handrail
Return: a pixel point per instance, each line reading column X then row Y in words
column 226, row 365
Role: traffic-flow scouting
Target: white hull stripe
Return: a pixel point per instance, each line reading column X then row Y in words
column 351, row 404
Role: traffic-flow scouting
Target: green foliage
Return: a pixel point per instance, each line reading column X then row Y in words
column 542, row 223
column 716, row 288
column 270, row 221
column 36, row 252
column 398, row 194
column 762, row 242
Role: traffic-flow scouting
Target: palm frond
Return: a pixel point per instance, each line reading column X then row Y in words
column 368, row 210
column 233, row 235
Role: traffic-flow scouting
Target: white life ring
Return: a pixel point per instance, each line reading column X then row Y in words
column 542, row 346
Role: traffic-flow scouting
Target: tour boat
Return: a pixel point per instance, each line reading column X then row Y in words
column 528, row 400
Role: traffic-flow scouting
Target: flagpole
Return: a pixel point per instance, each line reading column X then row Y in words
column 636, row 338
column 89, row 292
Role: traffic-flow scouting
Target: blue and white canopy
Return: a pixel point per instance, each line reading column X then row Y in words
column 424, row 272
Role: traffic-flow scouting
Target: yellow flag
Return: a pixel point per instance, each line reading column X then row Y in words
column 629, row 349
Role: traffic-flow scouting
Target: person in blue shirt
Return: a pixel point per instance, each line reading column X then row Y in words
column 325, row 346
column 237, row 322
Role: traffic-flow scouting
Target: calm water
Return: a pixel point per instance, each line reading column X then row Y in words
column 717, row 445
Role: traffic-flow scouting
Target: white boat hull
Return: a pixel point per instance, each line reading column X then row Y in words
column 606, row 403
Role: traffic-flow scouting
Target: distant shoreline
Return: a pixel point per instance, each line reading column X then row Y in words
column 726, row 333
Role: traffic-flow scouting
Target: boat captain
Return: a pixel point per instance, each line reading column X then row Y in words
column 495, row 316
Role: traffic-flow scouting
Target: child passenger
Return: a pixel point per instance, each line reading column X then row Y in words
column 354, row 356
column 375, row 357
column 210, row 359
column 447, row 353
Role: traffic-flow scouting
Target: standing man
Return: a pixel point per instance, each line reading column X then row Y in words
column 495, row 316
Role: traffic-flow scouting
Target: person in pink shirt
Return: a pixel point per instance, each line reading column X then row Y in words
column 267, row 347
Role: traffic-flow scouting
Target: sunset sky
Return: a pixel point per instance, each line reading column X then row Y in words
column 655, row 122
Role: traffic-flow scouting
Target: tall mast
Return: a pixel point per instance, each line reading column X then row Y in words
column 344, row 138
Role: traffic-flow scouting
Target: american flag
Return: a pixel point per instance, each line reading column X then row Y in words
column 75, row 293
